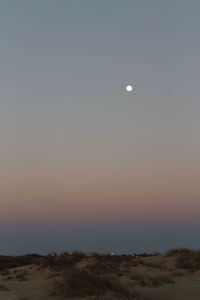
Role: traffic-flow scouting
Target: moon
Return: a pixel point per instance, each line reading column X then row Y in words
column 129, row 88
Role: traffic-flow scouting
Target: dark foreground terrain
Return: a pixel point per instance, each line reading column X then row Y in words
column 174, row 275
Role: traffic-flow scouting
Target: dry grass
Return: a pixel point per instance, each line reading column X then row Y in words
column 20, row 275
column 145, row 279
column 189, row 260
column 83, row 283
column 186, row 259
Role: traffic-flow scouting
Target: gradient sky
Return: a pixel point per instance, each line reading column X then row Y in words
column 85, row 165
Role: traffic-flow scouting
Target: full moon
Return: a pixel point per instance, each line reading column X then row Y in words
column 129, row 88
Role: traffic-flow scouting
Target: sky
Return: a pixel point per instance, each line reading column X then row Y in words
column 84, row 164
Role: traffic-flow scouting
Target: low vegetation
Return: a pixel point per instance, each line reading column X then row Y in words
column 186, row 259
column 7, row 262
column 81, row 283
column 144, row 279
column 100, row 276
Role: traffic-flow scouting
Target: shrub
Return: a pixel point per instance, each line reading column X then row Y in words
column 188, row 259
column 60, row 262
column 151, row 280
column 21, row 276
column 82, row 283
column 174, row 252
column 102, row 267
column 7, row 262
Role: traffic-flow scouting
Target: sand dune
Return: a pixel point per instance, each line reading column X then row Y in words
column 77, row 276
